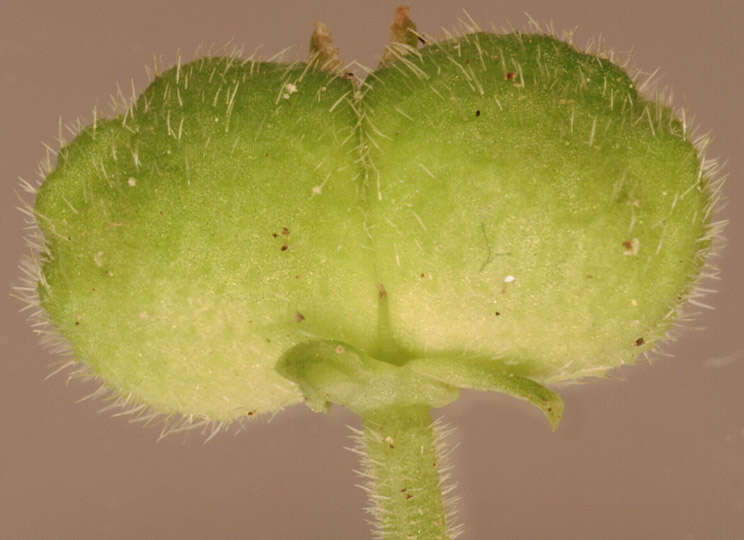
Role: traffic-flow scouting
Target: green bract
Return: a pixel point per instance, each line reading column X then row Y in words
column 492, row 211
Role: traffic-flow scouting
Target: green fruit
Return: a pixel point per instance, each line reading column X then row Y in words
column 492, row 203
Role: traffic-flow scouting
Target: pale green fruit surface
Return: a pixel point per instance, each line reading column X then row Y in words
column 214, row 228
column 533, row 207
column 514, row 202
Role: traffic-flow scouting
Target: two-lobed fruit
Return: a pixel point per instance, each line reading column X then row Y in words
column 492, row 200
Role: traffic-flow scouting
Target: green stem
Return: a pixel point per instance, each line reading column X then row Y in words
column 394, row 398
column 404, row 471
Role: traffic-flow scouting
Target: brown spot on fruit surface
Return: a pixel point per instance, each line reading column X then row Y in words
column 299, row 317
column 640, row 341
column 381, row 290
column 284, row 247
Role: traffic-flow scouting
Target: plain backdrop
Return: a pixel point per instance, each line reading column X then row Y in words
column 656, row 451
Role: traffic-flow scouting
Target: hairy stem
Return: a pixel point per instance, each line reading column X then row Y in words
column 402, row 464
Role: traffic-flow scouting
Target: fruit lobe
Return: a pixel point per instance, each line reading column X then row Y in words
column 211, row 228
column 534, row 209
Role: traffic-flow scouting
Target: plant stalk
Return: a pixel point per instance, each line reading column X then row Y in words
column 403, row 469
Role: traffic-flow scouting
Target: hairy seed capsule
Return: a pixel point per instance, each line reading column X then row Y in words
column 499, row 200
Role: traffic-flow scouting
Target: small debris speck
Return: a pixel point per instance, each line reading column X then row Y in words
column 289, row 90
column 632, row 246
column 381, row 290
column 509, row 279
column 132, row 181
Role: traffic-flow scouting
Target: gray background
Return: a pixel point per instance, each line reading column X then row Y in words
column 653, row 452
